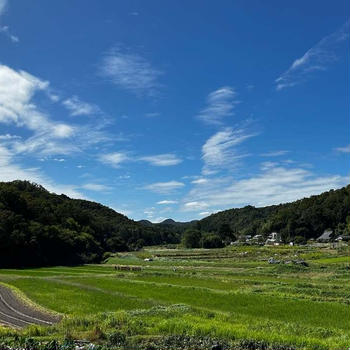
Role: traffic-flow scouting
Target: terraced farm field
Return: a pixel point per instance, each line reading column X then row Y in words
column 232, row 294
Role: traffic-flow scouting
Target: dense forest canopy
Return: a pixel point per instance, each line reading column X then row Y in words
column 39, row 228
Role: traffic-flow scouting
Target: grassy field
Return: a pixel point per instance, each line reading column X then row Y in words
column 231, row 293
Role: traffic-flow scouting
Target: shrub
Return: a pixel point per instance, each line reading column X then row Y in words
column 116, row 338
column 300, row 240
column 106, row 255
column 96, row 334
column 212, row 241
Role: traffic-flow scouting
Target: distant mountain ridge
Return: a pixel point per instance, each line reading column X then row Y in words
column 170, row 225
column 145, row 222
column 167, row 222
column 177, row 223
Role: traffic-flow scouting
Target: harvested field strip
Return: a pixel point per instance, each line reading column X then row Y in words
column 52, row 271
column 187, row 262
column 14, row 312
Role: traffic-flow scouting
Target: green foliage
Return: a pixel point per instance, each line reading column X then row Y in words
column 116, row 338
column 191, row 238
column 225, row 233
column 212, row 241
column 299, row 240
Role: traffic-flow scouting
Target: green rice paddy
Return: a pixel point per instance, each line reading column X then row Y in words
column 231, row 293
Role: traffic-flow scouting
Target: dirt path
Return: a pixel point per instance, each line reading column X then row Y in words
column 15, row 313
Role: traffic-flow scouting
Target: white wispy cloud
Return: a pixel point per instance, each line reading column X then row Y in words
column 274, row 153
column 42, row 144
column 3, row 4
column 114, row 159
column 195, row 206
column 318, row 58
column 78, row 107
column 164, row 187
column 16, row 92
column 6, row 30
column 220, row 104
column 8, row 137
column 220, row 152
column 272, row 185
column 268, row 165
column 166, row 202
column 152, row 114
column 62, row 130
column 130, row 71
column 345, row 149
column 205, row 213
column 199, row 181
column 96, row 187
column 53, row 96
column 166, row 159
column 18, row 107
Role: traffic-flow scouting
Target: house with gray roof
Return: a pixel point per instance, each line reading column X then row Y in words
column 325, row 237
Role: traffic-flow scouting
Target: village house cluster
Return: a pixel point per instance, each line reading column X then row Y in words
column 274, row 239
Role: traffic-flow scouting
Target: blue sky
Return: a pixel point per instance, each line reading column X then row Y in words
column 175, row 108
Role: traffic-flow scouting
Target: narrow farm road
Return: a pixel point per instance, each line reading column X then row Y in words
column 15, row 313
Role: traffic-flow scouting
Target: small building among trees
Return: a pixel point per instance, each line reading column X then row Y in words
column 274, row 238
column 326, row 236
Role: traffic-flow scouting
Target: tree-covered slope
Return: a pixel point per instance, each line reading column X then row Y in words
column 307, row 217
column 41, row 228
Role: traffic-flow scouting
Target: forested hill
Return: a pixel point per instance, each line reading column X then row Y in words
column 40, row 228
column 307, row 217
